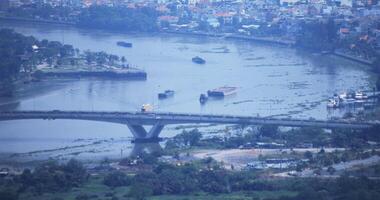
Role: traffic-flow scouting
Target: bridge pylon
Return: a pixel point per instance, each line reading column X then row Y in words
column 141, row 135
column 150, row 148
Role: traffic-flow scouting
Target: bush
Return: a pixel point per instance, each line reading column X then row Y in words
column 52, row 177
column 140, row 191
column 8, row 194
column 116, row 179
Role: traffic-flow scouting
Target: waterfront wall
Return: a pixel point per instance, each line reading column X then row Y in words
column 352, row 58
column 140, row 75
column 278, row 41
column 22, row 19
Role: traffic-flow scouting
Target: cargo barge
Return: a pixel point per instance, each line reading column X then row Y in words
column 198, row 60
column 124, row 44
column 166, row 94
column 222, row 91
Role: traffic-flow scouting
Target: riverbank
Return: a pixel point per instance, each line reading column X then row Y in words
column 44, row 21
column 117, row 74
column 263, row 40
column 352, row 58
column 267, row 40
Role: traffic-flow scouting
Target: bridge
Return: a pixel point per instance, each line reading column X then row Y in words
column 137, row 120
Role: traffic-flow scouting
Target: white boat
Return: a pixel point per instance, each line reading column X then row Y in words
column 343, row 95
column 360, row 95
column 333, row 103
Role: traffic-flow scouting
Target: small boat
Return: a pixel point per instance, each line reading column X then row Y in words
column 166, row 94
column 124, row 44
column 344, row 95
column 146, row 108
column 333, row 103
column 360, row 95
column 203, row 98
column 222, row 91
column 198, row 60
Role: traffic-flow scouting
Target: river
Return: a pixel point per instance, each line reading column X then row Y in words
column 271, row 80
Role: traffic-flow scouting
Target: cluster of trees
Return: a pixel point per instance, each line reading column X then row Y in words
column 23, row 53
column 343, row 188
column 317, row 36
column 318, row 137
column 167, row 179
column 102, row 58
column 323, row 159
column 47, row 177
column 119, row 18
column 184, row 139
column 12, row 47
column 203, row 176
column 96, row 16
column 170, row 179
column 45, row 11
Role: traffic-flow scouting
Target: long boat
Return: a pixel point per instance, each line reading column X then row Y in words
column 222, row 91
column 124, row 44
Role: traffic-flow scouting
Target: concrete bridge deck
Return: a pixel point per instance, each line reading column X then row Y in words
column 136, row 120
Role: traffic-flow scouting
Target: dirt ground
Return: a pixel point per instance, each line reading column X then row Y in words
column 240, row 157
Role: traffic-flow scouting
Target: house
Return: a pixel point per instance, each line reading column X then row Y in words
column 213, row 22
column 168, row 18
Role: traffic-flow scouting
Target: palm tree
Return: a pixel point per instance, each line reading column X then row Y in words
column 123, row 60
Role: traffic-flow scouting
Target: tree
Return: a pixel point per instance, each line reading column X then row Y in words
column 8, row 194
column 140, row 191
column 308, row 155
column 123, row 60
column 331, row 170
column 116, row 179
column 268, row 130
column 190, row 138
column 378, row 83
column 52, row 177
column 119, row 18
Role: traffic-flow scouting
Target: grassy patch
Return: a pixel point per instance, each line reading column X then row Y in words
column 231, row 196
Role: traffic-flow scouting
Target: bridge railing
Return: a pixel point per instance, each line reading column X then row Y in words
column 171, row 115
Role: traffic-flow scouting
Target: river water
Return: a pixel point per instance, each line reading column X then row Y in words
column 271, row 81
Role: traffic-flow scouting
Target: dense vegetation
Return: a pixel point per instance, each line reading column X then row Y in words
column 268, row 134
column 18, row 55
column 45, row 11
column 205, row 176
column 47, row 177
column 13, row 47
column 119, row 18
column 317, row 36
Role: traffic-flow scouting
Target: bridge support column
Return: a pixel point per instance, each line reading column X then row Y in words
column 150, row 148
column 141, row 135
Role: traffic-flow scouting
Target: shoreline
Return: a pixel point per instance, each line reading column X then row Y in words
column 43, row 21
column 352, row 58
column 277, row 41
column 130, row 75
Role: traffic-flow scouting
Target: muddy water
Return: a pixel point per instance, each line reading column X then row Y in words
column 271, row 81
